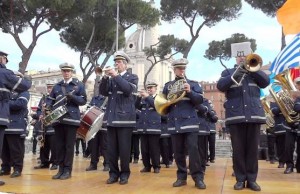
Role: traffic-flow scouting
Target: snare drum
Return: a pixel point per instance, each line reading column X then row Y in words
column 55, row 115
column 90, row 123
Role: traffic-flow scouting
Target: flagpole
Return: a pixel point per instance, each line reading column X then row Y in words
column 117, row 27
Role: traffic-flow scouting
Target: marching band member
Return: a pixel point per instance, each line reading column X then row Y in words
column 8, row 82
column 279, row 131
column 203, row 133
column 98, row 145
column 135, row 142
column 165, row 143
column 212, row 119
column 119, row 86
column 183, row 124
column 148, row 127
column 71, row 93
column 46, row 133
column 244, row 116
column 14, row 138
column 292, row 136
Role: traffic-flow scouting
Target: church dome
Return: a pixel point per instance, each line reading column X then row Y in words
column 136, row 41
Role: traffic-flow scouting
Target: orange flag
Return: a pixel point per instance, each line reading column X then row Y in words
column 289, row 17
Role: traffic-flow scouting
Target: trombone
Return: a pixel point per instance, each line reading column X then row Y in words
column 252, row 63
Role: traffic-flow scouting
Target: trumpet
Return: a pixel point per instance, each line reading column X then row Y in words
column 252, row 63
column 100, row 71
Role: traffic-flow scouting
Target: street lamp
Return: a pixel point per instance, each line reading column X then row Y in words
column 117, row 28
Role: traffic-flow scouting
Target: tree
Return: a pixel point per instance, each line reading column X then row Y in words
column 222, row 49
column 211, row 11
column 97, row 30
column 162, row 51
column 269, row 8
column 19, row 15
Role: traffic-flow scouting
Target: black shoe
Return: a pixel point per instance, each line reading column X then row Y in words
column 90, row 168
column 253, row 186
column 106, row 167
column 123, row 181
column 145, row 170
column 41, row 166
column 288, row 170
column 207, row 164
column 167, row 166
column 2, row 183
column 272, row 161
column 212, row 161
column 179, row 183
column 54, row 167
column 156, row 170
column 200, row 184
column 111, row 180
column 15, row 174
column 239, row 185
column 281, row 165
column 135, row 161
column 58, row 175
column 3, row 172
column 65, row 175
column 76, row 154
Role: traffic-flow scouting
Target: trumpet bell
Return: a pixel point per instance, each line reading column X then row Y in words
column 253, row 62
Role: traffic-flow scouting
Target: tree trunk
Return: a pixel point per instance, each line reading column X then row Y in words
column 188, row 49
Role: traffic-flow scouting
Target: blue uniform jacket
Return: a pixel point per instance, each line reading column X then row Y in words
column 9, row 82
column 164, row 127
column 212, row 119
column 182, row 117
column 149, row 120
column 243, row 103
column 121, row 100
column 40, row 130
column 18, row 113
column 279, row 119
column 202, row 110
column 72, row 117
column 297, row 109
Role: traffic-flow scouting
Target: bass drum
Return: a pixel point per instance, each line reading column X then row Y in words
column 90, row 123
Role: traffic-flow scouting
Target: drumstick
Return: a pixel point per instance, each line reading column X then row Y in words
column 63, row 98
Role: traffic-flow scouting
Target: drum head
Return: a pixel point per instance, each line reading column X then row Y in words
column 95, row 127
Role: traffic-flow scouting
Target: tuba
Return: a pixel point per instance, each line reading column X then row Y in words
column 252, row 63
column 176, row 93
column 269, row 115
column 280, row 90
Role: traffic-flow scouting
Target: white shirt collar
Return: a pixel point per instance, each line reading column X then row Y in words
column 121, row 74
column 68, row 81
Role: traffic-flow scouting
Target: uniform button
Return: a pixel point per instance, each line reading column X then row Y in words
column 245, row 105
column 112, row 98
column 246, row 120
column 177, row 131
column 175, row 119
column 174, row 105
column 244, row 90
column 110, row 111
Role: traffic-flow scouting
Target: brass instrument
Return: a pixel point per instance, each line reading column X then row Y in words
column 252, row 63
column 175, row 94
column 100, row 71
column 269, row 115
column 283, row 96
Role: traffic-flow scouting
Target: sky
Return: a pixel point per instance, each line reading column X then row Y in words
column 50, row 52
